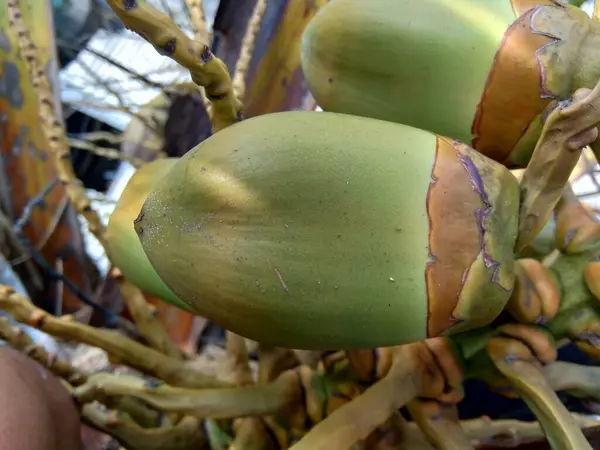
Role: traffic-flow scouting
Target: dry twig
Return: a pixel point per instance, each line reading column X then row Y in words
column 243, row 62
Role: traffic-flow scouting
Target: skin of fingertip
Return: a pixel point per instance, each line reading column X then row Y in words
column 36, row 411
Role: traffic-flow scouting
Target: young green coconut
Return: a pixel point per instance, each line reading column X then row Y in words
column 380, row 233
column 485, row 72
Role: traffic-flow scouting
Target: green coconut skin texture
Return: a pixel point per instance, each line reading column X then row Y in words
column 126, row 251
column 310, row 230
column 426, row 63
column 424, row 46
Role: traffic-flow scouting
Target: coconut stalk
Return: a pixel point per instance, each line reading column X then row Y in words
column 186, row 435
column 513, row 360
column 206, row 69
column 120, row 348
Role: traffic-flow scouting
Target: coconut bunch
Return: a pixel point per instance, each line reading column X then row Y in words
column 208, row 233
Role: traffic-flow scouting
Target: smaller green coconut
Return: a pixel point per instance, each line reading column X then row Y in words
column 125, row 248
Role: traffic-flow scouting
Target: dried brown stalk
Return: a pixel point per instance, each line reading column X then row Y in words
column 237, row 360
column 250, row 434
column 144, row 316
column 106, row 152
column 59, row 146
column 485, row 428
column 206, row 69
column 397, row 434
column 198, row 20
column 224, row 403
column 440, row 424
column 273, row 362
column 243, row 63
column 186, row 435
column 174, row 371
column 249, row 431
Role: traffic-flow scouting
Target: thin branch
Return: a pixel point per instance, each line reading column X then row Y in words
column 115, row 94
column 32, row 203
column 58, row 213
column 94, row 136
column 119, row 66
column 243, row 62
column 144, row 316
column 486, row 429
column 120, row 348
column 106, row 152
column 198, row 20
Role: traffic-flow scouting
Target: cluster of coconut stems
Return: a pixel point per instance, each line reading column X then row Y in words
column 296, row 399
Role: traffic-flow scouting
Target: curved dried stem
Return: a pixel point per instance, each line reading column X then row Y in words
column 273, row 362
column 224, row 403
column 144, row 316
column 186, row 435
column 440, row 424
column 397, row 434
column 136, row 355
column 206, row 69
column 566, row 132
column 250, row 434
column 106, row 152
column 237, row 359
column 243, row 62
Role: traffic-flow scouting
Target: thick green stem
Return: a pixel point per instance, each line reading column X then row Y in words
column 225, row 403
column 528, row 380
column 186, row 435
column 357, row 419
